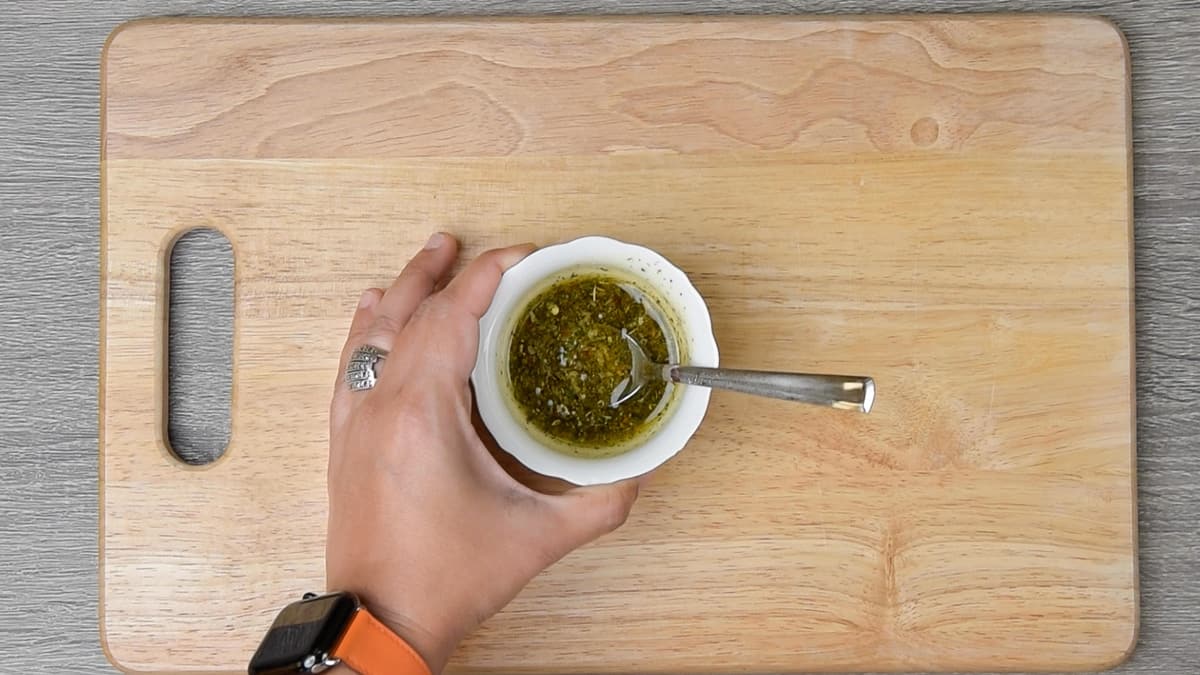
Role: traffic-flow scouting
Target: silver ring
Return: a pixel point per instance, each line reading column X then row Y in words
column 361, row 371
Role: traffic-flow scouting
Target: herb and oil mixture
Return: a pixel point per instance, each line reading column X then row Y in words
column 567, row 356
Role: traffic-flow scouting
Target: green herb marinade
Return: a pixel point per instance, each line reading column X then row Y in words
column 567, row 356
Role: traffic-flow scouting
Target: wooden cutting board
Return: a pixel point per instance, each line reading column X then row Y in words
column 940, row 202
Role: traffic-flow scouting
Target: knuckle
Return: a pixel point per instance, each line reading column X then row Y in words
column 487, row 264
column 490, row 257
column 384, row 324
column 361, row 321
column 418, row 271
column 443, row 315
column 435, row 308
column 380, row 417
column 493, row 261
column 614, row 511
column 617, row 516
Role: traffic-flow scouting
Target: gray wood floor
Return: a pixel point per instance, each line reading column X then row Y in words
column 49, row 270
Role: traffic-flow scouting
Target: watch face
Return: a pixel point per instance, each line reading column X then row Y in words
column 309, row 628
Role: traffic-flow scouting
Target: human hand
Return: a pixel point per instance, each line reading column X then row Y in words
column 424, row 526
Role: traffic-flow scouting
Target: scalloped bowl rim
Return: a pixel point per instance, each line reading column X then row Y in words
column 669, row 284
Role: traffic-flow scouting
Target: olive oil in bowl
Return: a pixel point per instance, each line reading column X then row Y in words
column 566, row 356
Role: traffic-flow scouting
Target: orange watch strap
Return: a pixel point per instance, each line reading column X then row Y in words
column 371, row 648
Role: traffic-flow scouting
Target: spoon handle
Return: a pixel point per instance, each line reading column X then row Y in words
column 839, row 391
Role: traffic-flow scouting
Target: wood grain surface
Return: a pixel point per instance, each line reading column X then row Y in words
column 48, row 300
column 943, row 203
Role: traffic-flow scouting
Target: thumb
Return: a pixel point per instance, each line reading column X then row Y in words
column 586, row 513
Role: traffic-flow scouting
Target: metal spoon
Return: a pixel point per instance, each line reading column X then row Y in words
column 839, row 391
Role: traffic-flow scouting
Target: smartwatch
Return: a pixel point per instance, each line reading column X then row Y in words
column 321, row 631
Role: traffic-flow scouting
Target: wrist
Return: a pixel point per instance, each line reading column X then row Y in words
column 433, row 648
column 433, row 645
column 337, row 628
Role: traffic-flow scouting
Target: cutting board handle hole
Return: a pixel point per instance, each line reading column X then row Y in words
column 199, row 346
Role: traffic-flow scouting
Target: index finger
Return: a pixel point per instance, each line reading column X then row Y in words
column 472, row 290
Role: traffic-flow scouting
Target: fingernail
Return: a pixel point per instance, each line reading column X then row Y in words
column 435, row 241
column 369, row 297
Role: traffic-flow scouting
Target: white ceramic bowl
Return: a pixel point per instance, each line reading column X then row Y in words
column 691, row 328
